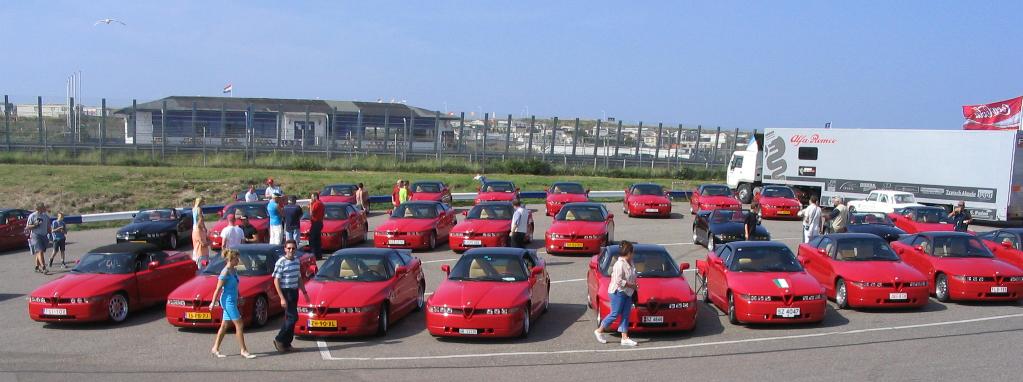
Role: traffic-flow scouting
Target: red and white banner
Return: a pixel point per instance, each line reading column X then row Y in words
column 1002, row 115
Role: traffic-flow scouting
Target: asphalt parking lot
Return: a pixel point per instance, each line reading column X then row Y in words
column 940, row 342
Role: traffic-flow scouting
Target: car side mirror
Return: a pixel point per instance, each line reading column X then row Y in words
column 536, row 271
column 1006, row 244
column 400, row 270
column 446, row 268
column 682, row 267
column 133, row 215
column 717, row 261
column 153, row 264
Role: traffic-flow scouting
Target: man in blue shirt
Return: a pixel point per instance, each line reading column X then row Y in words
column 292, row 217
column 273, row 212
column 58, row 231
column 38, row 236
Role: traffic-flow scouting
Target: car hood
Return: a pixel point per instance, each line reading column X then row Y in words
column 763, row 283
column 976, row 266
column 202, row 286
column 877, row 271
column 567, row 198
column 928, row 227
column 258, row 224
column 337, row 199
column 407, row 225
column 437, row 196
column 149, row 227
column 347, row 294
column 328, row 225
column 496, row 196
column 779, row 201
column 719, row 200
column 577, row 228
column 82, row 285
column 480, row 294
column 661, row 289
column 648, row 199
column 478, row 225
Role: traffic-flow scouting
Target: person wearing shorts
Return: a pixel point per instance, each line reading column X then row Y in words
column 38, row 231
column 58, row 231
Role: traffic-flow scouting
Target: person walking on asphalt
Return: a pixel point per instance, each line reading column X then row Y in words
column 519, row 225
column 226, row 294
column 292, row 218
column 58, row 231
column 288, row 281
column 620, row 290
column 38, row 228
column 316, row 211
column 812, row 220
column 274, row 212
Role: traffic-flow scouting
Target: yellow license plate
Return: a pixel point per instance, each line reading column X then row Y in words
column 784, row 212
column 573, row 245
column 322, row 323
column 138, row 241
column 198, row 315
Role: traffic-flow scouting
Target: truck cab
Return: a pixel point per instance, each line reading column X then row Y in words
column 744, row 174
column 884, row 201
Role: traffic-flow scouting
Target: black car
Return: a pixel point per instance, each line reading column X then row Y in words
column 876, row 223
column 164, row 227
column 715, row 227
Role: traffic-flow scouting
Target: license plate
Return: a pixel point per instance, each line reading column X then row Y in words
column 784, row 212
column 787, row 312
column 472, row 242
column 396, row 242
column 303, row 243
column 573, row 245
column 898, row 296
column 198, row 315
column 54, row 312
column 999, row 289
column 138, row 241
column 653, row 319
column 322, row 323
column 471, row 332
column 651, row 210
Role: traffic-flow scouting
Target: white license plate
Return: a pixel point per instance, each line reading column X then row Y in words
column 999, row 289
column 471, row 332
column 653, row 319
column 472, row 242
column 651, row 210
column 303, row 243
column 787, row 312
column 396, row 242
column 898, row 296
column 54, row 312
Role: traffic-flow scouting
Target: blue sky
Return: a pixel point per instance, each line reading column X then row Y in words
column 748, row 65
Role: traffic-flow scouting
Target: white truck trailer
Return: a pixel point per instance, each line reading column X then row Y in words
column 939, row 167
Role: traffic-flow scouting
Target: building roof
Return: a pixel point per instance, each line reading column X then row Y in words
column 180, row 103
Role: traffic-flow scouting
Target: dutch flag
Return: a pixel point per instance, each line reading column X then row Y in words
column 229, row 88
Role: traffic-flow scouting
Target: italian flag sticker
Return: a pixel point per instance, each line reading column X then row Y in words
column 781, row 283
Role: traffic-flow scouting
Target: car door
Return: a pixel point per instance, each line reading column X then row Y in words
column 919, row 259
column 625, row 201
column 699, row 226
column 593, row 277
column 694, row 200
column 819, row 266
column 808, row 252
column 150, row 284
column 1010, row 254
column 609, row 222
column 537, row 284
column 7, row 230
column 716, row 278
column 405, row 284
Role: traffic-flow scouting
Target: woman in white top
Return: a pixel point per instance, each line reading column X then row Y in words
column 620, row 290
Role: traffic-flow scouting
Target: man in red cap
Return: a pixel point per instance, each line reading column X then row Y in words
column 232, row 235
column 271, row 189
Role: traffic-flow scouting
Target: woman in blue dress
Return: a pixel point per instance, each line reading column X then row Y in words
column 226, row 294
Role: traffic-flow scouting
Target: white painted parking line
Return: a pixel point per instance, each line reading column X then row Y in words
column 567, row 281
column 438, row 261
column 325, row 352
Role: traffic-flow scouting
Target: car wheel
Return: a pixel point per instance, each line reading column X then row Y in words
column 710, row 242
column 173, row 241
column 547, row 300
column 421, row 297
column 117, row 307
column 529, row 235
column 733, row 317
column 696, row 238
column 433, row 240
column 382, row 320
column 260, row 312
column 841, row 295
column 589, row 300
column 525, row 322
column 941, row 287
column 626, row 211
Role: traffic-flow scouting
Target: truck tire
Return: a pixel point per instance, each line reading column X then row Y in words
column 745, row 193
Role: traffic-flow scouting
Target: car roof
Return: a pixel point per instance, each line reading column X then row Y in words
column 494, row 203
column 584, row 204
column 852, row 235
column 558, row 183
column 755, row 244
column 497, row 251
column 239, row 204
column 126, row 248
column 489, row 181
column 367, row 251
column 646, row 184
column 945, row 234
column 427, row 181
column 1018, row 231
column 713, row 185
column 637, row 247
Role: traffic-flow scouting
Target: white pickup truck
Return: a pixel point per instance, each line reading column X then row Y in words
column 885, row 201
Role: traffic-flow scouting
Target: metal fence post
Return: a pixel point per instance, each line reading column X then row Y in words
column 532, row 125
column 305, row 128
column 134, row 124
column 461, row 132
column 163, row 130
column 618, row 138
column 410, row 134
column 280, row 124
column 223, row 123
column 596, row 144
column 7, row 122
column 717, row 141
column 483, row 159
column 387, row 129
column 250, row 134
column 330, row 134
column 639, row 139
column 102, row 127
column 678, row 145
column 657, row 150
column 361, row 130
column 699, row 138
column 437, row 134
column 735, row 142
column 193, row 121
column 75, row 134
column 39, row 122
column 507, row 136
column 575, row 137
column 554, row 134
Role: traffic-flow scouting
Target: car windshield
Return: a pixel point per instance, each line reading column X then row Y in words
column 155, row 216
column 864, row 249
column 499, row 187
column 778, row 192
column 725, row 216
column 489, row 267
column 251, row 262
column 580, row 213
column 491, row 212
column 429, row 187
column 338, row 190
column 568, row 188
column 251, row 211
column 331, row 213
column 904, row 198
column 959, row 246
column 716, row 191
column 860, row 218
column 927, row 215
column 106, row 263
column 648, row 263
column 356, row 267
column 764, row 259
column 648, row 189
column 415, row 211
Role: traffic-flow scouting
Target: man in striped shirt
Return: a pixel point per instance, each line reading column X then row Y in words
column 287, row 276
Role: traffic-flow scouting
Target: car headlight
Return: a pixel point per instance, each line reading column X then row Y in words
column 726, row 237
column 812, row 297
column 917, row 284
column 177, row 303
column 664, row 204
column 441, row 309
column 971, row 278
column 679, row 305
column 867, row 284
column 37, row 299
column 498, row 311
column 593, row 237
column 1016, row 279
column 558, row 236
column 492, row 234
column 458, row 234
column 215, row 234
column 305, row 309
column 753, row 297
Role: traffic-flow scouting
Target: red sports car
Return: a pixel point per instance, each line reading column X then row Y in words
column 860, row 270
column 361, row 291
column 189, row 305
column 960, row 267
column 344, row 224
column 12, row 228
column 561, row 193
column 646, row 199
column 1005, row 244
column 709, row 197
column 580, row 228
column 416, row 225
column 497, row 191
column 431, row 190
column 255, row 212
column 338, row 193
column 777, row 202
column 918, row 219
column 761, row 282
column 491, row 292
column 666, row 303
column 486, row 225
column 109, row 282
